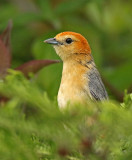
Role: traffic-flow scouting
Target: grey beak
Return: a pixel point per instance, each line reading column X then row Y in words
column 51, row 41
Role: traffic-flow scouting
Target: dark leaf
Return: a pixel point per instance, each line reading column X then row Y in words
column 34, row 66
column 4, row 59
column 5, row 56
column 3, row 99
column 6, row 35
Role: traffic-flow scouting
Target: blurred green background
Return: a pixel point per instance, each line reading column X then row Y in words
column 106, row 24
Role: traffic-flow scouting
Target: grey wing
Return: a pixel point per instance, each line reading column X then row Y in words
column 96, row 86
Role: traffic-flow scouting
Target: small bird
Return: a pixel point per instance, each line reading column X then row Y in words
column 80, row 80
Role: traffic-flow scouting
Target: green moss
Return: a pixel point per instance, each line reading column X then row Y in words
column 33, row 127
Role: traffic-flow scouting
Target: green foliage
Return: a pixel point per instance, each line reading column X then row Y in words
column 33, row 127
column 31, row 124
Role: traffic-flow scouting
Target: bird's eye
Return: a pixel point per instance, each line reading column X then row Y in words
column 68, row 40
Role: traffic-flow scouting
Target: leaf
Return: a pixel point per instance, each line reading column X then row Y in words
column 69, row 6
column 5, row 56
column 6, row 35
column 3, row 99
column 5, row 60
column 34, row 66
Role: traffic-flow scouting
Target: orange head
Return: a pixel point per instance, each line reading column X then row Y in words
column 67, row 44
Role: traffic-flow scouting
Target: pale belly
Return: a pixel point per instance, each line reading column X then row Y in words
column 74, row 84
column 72, row 92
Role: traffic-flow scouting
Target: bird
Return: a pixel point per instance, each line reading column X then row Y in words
column 80, row 81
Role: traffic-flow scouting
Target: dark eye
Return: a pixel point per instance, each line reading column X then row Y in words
column 68, row 40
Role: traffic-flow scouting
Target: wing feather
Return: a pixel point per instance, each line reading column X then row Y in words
column 96, row 86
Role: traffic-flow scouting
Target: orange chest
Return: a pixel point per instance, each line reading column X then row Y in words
column 74, row 82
